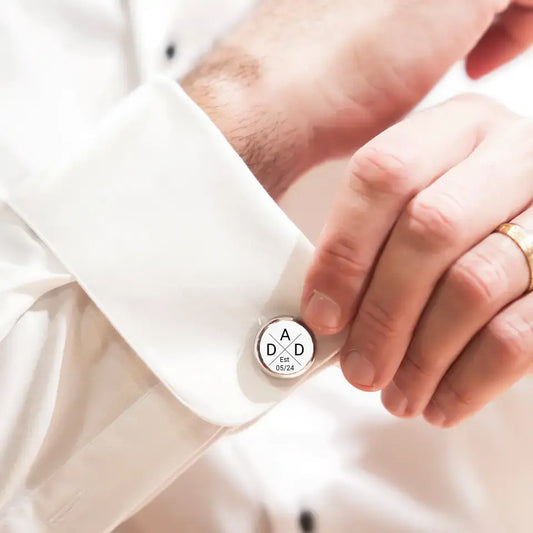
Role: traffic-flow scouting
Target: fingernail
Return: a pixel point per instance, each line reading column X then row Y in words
column 434, row 414
column 359, row 369
column 394, row 399
column 322, row 312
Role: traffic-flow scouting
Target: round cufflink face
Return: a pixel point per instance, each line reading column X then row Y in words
column 285, row 348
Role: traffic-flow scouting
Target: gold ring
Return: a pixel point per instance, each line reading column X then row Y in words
column 524, row 240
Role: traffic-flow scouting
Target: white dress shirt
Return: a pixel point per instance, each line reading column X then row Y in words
column 140, row 262
column 139, row 258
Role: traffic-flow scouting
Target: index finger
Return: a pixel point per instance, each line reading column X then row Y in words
column 382, row 177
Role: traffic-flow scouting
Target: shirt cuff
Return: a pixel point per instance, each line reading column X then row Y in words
column 172, row 237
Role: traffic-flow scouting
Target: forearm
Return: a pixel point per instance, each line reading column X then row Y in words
column 231, row 88
column 278, row 123
column 297, row 83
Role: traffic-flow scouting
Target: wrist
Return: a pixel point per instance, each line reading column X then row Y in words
column 255, row 116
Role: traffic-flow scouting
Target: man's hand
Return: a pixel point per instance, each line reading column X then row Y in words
column 441, row 323
column 301, row 81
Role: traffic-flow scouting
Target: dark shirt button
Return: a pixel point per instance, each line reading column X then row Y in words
column 170, row 50
column 307, row 521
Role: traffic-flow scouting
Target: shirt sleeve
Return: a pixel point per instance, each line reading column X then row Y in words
column 166, row 256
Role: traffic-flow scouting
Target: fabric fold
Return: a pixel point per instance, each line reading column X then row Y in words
column 176, row 242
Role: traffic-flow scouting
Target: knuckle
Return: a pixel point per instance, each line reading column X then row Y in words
column 376, row 170
column 377, row 320
column 477, row 279
column 469, row 99
column 341, row 256
column 511, row 338
column 486, row 112
column 480, row 104
column 434, row 222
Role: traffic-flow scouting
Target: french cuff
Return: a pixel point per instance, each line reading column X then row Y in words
column 172, row 237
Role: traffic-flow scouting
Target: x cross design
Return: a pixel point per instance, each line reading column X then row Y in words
column 285, row 348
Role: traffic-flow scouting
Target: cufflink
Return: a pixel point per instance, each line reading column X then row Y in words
column 284, row 348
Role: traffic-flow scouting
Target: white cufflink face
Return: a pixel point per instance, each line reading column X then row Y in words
column 285, row 348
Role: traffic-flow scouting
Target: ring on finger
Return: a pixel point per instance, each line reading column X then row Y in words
column 523, row 238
